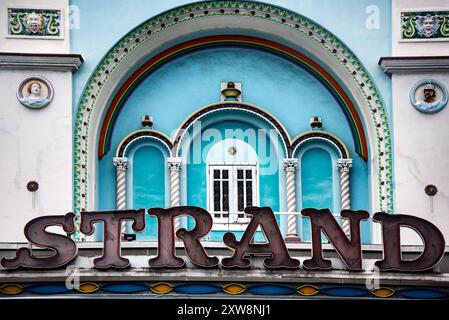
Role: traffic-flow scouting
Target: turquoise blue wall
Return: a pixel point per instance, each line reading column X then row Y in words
column 317, row 186
column 173, row 92
column 148, row 185
column 268, row 181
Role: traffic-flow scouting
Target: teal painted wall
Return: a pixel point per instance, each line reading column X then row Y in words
column 174, row 91
column 268, row 181
column 148, row 186
column 177, row 89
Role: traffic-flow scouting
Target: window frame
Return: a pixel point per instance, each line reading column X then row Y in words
column 232, row 222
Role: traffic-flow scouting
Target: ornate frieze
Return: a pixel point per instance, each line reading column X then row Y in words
column 35, row 23
column 425, row 25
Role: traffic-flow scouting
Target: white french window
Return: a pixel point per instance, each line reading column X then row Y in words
column 232, row 188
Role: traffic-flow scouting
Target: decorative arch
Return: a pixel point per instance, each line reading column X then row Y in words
column 227, row 106
column 235, row 40
column 135, row 137
column 319, row 135
column 247, row 18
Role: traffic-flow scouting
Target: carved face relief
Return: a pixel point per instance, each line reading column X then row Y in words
column 427, row 25
column 35, row 92
column 34, row 23
column 429, row 96
column 35, row 88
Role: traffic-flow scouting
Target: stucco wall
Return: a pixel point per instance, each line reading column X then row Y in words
column 421, row 146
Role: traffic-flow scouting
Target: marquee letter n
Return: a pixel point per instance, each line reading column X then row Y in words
column 350, row 250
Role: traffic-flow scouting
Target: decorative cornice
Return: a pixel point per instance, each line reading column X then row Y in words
column 41, row 61
column 392, row 65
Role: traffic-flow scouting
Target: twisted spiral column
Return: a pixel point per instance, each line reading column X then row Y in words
column 344, row 166
column 121, row 165
column 290, row 166
column 174, row 165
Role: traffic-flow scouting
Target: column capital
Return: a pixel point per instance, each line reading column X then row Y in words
column 174, row 164
column 344, row 165
column 121, row 163
column 290, row 164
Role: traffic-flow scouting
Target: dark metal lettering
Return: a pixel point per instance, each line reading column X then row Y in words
column 432, row 238
column 265, row 218
column 64, row 247
column 112, row 221
column 166, row 249
column 350, row 251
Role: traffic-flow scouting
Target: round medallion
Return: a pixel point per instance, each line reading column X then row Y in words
column 35, row 92
column 429, row 96
column 32, row 186
column 431, row 190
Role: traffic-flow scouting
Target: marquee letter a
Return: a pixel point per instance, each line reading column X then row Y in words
column 263, row 217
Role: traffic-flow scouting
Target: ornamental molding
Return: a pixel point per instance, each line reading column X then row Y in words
column 425, row 25
column 41, row 61
column 392, row 65
column 35, row 23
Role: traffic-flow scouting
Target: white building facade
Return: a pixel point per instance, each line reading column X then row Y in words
column 224, row 105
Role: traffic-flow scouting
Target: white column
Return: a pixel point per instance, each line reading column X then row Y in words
column 174, row 164
column 345, row 192
column 290, row 178
column 121, row 165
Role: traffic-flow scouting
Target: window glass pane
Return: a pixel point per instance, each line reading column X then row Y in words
column 216, row 174
column 249, row 174
column 249, row 193
column 225, row 174
column 239, row 174
column 225, row 195
column 217, row 196
column 240, row 204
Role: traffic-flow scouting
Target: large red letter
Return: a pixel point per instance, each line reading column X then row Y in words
column 275, row 247
column 64, row 247
column 350, row 251
column 112, row 226
column 166, row 252
column 432, row 238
